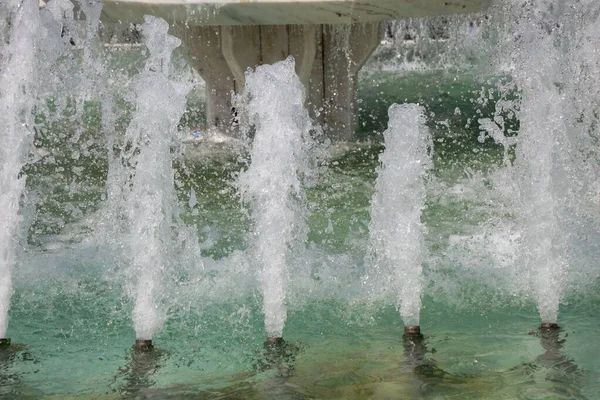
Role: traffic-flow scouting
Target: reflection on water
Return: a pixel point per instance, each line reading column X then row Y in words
column 11, row 382
column 554, row 369
column 554, row 356
column 142, row 365
column 344, row 368
column 279, row 356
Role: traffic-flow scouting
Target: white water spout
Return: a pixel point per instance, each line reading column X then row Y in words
column 272, row 184
column 160, row 103
column 396, row 231
column 18, row 76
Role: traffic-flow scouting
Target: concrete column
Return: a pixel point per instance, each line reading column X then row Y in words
column 241, row 49
column 316, row 89
column 274, row 43
column 303, row 41
column 328, row 58
column 203, row 46
column 346, row 48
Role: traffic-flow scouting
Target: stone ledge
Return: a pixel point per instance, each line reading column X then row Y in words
column 282, row 12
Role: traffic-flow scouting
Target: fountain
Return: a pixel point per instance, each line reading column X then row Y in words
column 17, row 82
column 550, row 138
column 478, row 204
column 396, row 231
column 272, row 183
column 149, row 195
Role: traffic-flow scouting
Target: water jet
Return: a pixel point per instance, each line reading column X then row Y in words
column 340, row 249
column 396, row 232
column 272, row 185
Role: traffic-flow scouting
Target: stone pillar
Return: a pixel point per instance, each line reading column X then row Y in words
column 203, row 47
column 241, row 48
column 302, row 44
column 346, row 49
column 328, row 58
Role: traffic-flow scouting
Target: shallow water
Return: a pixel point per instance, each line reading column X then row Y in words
column 72, row 315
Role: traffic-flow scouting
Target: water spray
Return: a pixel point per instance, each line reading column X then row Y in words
column 148, row 197
column 274, row 105
column 396, row 231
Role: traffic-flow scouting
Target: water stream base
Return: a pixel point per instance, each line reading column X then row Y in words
column 279, row 355
column 143, row 345
column 549, row 326
column 413, row 342
column 412, row 331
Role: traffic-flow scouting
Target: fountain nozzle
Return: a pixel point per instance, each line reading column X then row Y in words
column 143, row 345
column 549, row 326
column 5, row 341
column 412, row 331
column 414, row 346
column 273, row 341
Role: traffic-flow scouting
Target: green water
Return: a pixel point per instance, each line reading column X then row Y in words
column 71, row 316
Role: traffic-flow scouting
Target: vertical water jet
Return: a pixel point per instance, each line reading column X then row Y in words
column 274, row 104
column 148, row 196
column 396, row 231
column 543, row 126
column 18, row 80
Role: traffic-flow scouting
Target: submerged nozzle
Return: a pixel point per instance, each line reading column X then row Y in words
column 413, row 341
column 412, row 331
column 549, row 326
column 274, row 341
column 279, row 355
column 143, row 345
column 5, row 341
column 414, row 346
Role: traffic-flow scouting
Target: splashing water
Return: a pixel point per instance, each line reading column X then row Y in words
column 272, row 184
column 396, row 231
column 160, row 104
column 551, row 155
column 542, row 125
column 556, row 160
column 17, row 97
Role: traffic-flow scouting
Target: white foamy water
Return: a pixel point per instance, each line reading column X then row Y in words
column 541, row 251
column 147, row 176
column 396, row 231
column 544, row 154
column 272, row 183
column 550, row 187
column 18, row 75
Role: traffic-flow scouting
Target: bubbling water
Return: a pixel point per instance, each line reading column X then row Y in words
column 148, row 197
column 17, row 97
column 551, row 176
column 274, row 104
column 555, row 168
column 396, row 231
